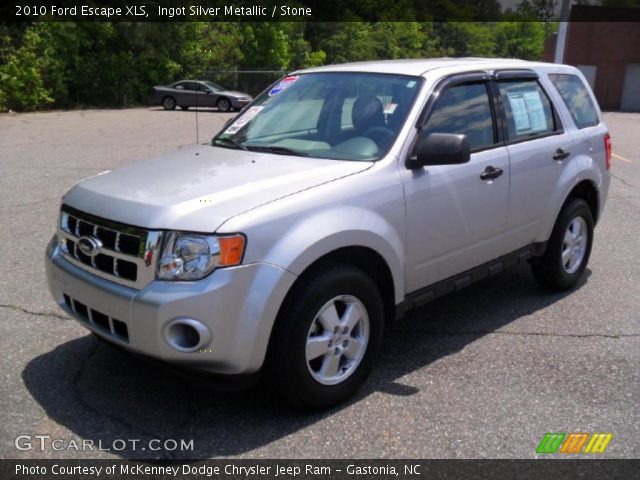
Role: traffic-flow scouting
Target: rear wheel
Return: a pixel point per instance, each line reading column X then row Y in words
column 326, row 338
column 169, row 103
column 569, row 248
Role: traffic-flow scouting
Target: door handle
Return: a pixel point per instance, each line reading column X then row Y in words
column 561, row 154
column 490, row 173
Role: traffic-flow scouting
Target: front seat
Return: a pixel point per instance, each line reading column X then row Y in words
column 368, row 120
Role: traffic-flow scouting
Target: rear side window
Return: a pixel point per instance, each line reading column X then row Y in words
column 464, row 109
column 527, row 108
column 577, row 99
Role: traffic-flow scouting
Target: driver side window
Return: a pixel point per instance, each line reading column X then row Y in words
column 466, row 109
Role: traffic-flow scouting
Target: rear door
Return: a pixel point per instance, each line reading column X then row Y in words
column 538, row 148
column 194, row 94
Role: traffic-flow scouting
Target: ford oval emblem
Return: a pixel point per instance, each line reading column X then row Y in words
column 90, row 246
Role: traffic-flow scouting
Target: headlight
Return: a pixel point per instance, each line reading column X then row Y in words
column 189, row 256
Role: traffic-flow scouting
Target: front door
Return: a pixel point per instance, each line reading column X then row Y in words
column 456, row 214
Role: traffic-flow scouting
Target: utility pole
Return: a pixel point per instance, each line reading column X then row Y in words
column 561, row 40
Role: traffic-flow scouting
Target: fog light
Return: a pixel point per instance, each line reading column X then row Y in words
column 186, row 335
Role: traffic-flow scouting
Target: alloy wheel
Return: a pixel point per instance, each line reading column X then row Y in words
column 337, row 340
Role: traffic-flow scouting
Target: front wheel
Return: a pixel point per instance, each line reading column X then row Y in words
column 326, row 338
column 569, row 248
column 224, row 105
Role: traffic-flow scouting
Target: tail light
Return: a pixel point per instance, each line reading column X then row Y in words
column 607, row 150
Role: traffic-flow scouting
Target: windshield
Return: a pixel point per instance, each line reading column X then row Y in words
column 213, row 86
column 345, row 116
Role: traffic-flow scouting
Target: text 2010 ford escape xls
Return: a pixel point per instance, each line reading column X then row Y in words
column 339, row 198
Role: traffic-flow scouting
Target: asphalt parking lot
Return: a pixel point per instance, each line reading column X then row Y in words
column 484, row 373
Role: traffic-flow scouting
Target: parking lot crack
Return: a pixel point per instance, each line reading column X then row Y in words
column 630, row 185
column 530, row 334
column 31, row 312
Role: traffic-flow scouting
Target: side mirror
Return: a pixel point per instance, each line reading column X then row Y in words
column 439, row 149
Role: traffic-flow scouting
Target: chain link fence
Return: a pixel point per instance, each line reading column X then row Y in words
column 249, row 81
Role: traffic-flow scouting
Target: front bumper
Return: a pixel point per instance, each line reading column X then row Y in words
column 235, row 103
column 238, row 305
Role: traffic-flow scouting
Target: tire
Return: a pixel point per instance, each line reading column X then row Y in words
column 224, row 105
column 568, row 250
column 169, row 103
column 186, row 107
column 308, row 373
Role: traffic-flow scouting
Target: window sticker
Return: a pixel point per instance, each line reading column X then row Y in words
column 283, row 85
column 243, row 120
column 389, row 108
column 535, row 110
column 411, row 84
column 528, row 112
column 519, row 110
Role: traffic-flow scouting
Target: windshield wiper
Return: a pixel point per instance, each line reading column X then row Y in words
column 230, row 141
column 278, row 150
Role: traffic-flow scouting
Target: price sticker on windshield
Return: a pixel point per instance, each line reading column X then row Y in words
column 244, row 119
column 283, row 85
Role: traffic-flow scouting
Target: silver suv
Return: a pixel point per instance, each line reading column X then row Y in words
column 338, row 199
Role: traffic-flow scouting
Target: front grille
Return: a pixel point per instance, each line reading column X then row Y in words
column 105, row 263
column 126, row 254
column 98, row 320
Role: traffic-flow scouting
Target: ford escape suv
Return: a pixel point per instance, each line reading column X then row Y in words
column 341, row 197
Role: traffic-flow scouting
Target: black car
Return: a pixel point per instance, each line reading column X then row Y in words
column 199, row 93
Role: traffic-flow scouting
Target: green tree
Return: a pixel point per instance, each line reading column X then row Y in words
column 541, row 10
column 398, row 39
column 67, row 64
column 21, row 75
column 467, row 39
column 265, row 46
column 523, row 40
column 302, row 53
column 488, row 11
column 347, row 42
column 210, row 47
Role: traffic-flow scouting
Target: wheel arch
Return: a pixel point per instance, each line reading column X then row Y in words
column 366, row 259
column 587, row 191
column 585, row 187
column 335, row 233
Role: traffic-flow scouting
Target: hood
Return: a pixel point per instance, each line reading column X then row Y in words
column 198, row 188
